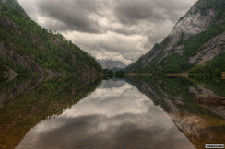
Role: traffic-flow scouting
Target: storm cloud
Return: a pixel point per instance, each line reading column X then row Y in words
column 120, row 30
column 73, row 15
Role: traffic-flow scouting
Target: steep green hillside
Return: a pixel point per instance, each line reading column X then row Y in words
column 196, row 44
column 27, row 48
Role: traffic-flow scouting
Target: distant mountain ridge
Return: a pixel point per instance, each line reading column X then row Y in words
column 109, row 64
column 195, row 45
column 27, row 48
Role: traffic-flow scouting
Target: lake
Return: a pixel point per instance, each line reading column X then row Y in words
column 126, row 113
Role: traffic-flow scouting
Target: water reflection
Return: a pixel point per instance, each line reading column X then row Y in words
column 27, row 101
column 200, row 123
column 115, row 115
column 137, row 112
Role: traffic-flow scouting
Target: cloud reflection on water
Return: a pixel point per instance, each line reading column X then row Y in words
column 116, row 115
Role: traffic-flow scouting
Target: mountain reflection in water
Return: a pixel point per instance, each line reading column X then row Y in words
column 133, row 113
column 115, row 115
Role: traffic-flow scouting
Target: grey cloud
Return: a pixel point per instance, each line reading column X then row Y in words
column 131, row 12
column 150, row 20
column 74, row 14
column 126, row 31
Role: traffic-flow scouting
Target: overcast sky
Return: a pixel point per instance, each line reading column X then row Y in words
column 119, row 30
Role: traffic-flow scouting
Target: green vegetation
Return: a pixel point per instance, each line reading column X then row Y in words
column 178, row 62
column 28, row 48
column 119, row 73
column 108, row 72
column 215, row 66
column 217, row 5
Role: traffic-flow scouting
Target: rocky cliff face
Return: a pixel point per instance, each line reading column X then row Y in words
column 27, row 48
column 205, row 17
column 211, row 49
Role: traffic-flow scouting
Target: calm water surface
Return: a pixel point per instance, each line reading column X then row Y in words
column 133, row 114
column 115, row 115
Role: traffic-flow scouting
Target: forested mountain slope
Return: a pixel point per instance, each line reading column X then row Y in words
column 27, row 48
column 195, row 45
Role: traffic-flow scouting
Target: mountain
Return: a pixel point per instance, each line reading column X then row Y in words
column 195, row 45
column 109, row 64
column 27, row 48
